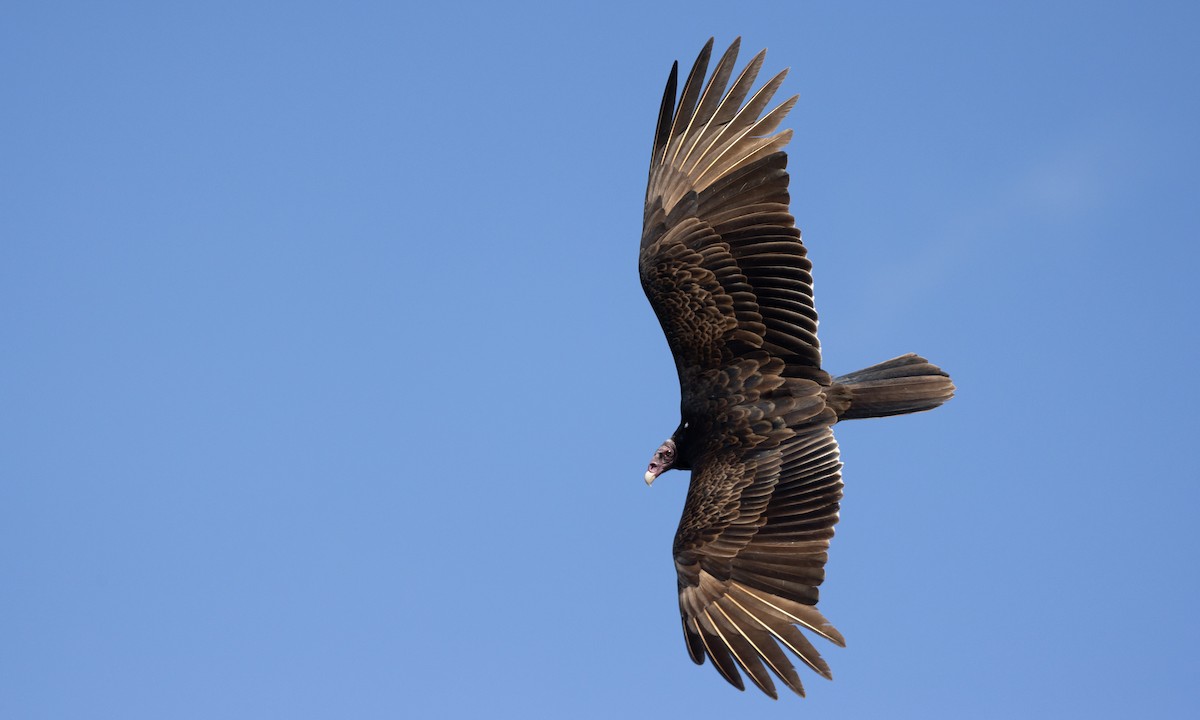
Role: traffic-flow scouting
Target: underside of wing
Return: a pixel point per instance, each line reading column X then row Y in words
column 718, row 178
column 751, row 550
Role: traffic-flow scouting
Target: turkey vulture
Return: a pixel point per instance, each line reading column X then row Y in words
column 723, row 266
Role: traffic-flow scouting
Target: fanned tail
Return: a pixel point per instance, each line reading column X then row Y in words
column 906, row 384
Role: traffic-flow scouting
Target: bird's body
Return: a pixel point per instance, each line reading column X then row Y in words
column 723, row 266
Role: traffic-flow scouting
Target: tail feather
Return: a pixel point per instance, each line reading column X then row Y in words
column 906, row 384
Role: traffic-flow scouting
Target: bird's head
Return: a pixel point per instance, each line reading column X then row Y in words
column 664, row 458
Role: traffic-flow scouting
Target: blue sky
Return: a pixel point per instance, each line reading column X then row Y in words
column 327, row 384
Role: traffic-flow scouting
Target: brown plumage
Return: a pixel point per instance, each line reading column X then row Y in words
column 724, row 269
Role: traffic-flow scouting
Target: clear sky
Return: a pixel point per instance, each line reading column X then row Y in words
column 327, row 384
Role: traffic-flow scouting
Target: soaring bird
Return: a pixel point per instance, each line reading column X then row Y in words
column 723, row 266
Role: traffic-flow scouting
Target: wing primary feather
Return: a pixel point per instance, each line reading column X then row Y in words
column 772, row 120
column 666, row 110
column 794, row 641
column 748, row 114
column 756, row 149
column 758, row 674
column 695, row 642
column 691, row 92
column 746, row 663
column 741, row 87
column 765, row 646
column 726, row 111
column 711, row 97
column 720, row 660
column 827, row 632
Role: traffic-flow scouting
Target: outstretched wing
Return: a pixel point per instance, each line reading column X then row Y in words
column 752, row 543
column 721, row 259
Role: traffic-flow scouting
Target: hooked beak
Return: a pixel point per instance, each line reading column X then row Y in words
column 664, row 458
